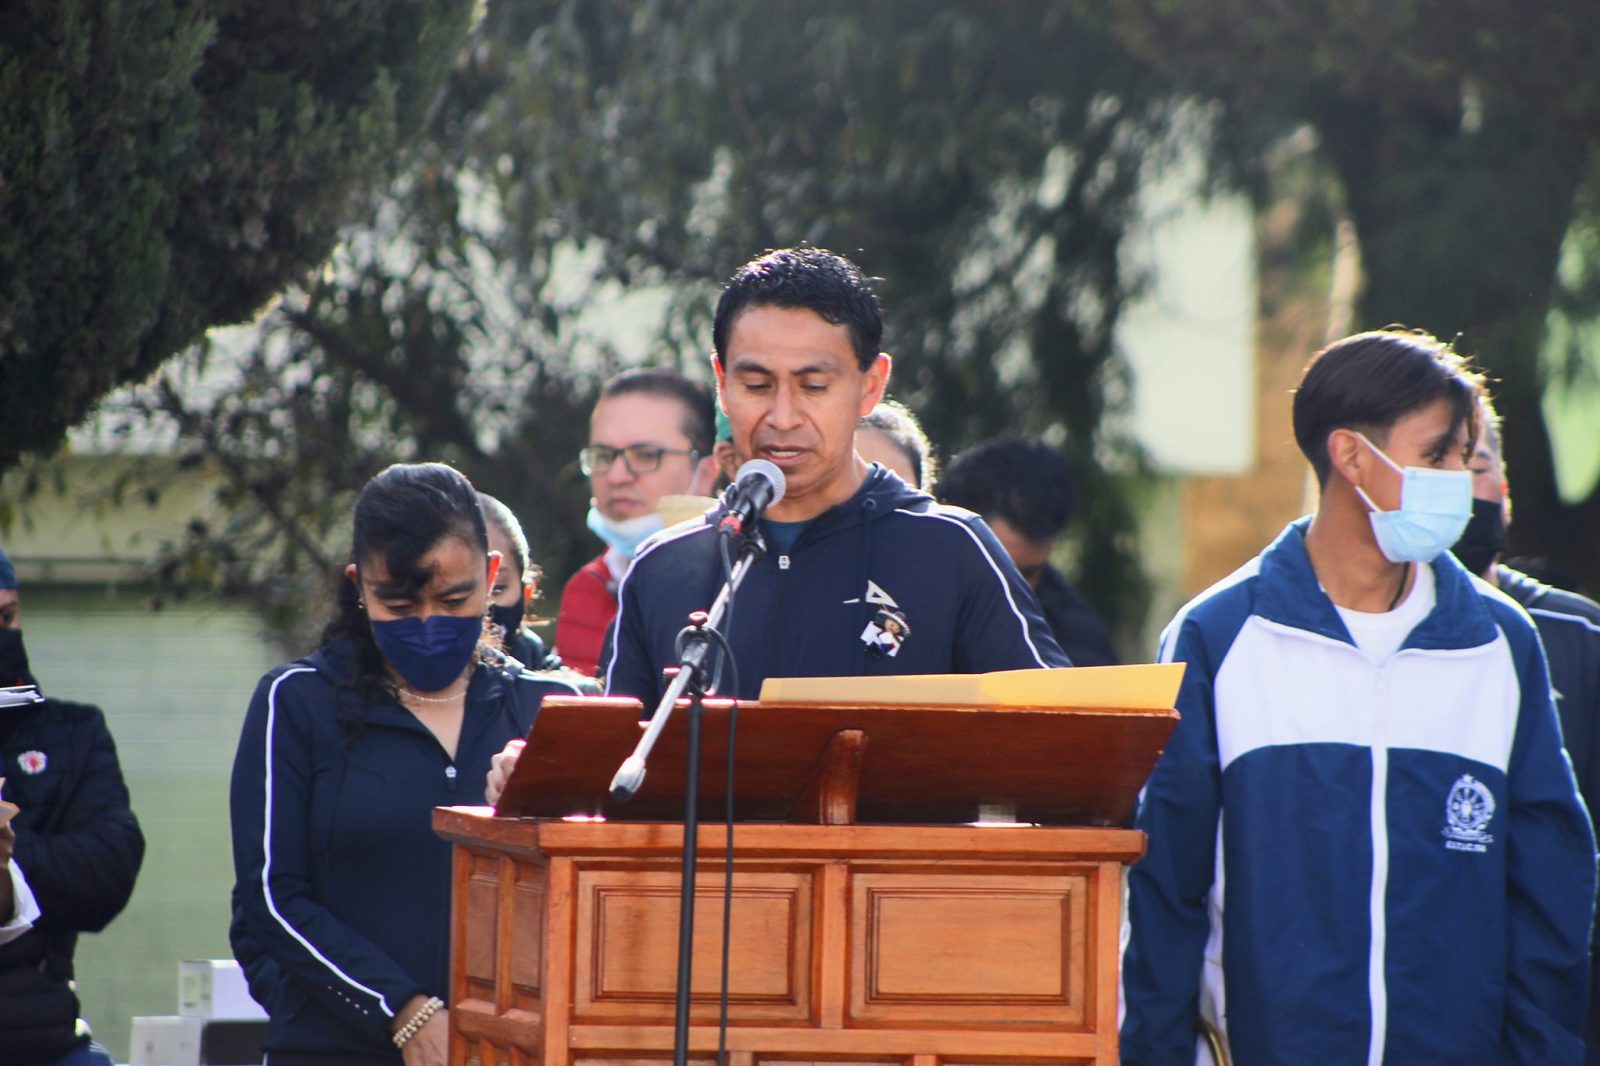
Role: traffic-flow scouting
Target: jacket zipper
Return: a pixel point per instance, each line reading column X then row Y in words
column 1377, row 979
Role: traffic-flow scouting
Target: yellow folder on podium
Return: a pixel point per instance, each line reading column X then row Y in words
column 1145, row 687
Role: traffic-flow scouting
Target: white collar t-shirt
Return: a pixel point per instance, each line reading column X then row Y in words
column 1380, row 635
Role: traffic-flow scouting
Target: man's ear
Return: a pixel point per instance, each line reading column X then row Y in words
column 876, row 384
column 716, row 368
column 705, row 475
column 352, row 575
column 1348, row 456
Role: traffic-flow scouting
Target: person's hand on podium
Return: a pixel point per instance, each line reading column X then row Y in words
column 500, row 767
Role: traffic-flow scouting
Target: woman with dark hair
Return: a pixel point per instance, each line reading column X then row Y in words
column 514, row 588
column 343, row 895
column 891, row 436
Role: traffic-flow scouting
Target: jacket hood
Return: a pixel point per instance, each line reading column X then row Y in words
column 884, row 487
column 335, row 661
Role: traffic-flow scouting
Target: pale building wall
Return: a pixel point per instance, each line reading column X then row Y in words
column 98, row 523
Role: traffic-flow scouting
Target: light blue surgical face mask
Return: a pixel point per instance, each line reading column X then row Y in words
column 1435, row 506
column 627, row 535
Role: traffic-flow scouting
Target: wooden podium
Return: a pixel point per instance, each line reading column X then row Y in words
column 918, row 939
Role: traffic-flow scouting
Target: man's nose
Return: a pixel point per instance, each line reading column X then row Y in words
column 785, row 412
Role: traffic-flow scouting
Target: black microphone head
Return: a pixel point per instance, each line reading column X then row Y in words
column 763, row 470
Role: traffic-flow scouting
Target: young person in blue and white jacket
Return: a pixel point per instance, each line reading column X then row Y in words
column 342, row 901
column 1365, row 841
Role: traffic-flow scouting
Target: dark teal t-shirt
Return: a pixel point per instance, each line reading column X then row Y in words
column 780, row 536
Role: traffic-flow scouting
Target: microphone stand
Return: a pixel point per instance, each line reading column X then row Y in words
column 691, row 677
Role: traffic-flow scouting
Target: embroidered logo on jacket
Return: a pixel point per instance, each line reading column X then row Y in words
column 32, row 762
column 1467, row 811
column 874, row 594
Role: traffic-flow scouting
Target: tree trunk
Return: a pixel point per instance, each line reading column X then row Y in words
column 1461, row 226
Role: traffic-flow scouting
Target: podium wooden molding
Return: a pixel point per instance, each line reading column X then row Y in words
column 914, row 944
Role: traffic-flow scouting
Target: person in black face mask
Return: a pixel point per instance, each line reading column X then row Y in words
column 13, row 655
column 342, row 900
column 1569, row 628
column 76, row 839
column 514, row 588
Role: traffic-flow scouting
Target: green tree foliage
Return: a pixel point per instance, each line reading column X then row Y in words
column 981, row 160
column 165, row 167
column 1461, row 132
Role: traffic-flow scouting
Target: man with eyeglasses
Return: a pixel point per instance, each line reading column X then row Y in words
column 650, row 436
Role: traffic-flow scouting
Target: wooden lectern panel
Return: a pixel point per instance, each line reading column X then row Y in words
column 627, row 927
column 931, row 948
column 926, row 765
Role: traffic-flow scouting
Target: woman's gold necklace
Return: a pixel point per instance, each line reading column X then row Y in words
column 420, row 698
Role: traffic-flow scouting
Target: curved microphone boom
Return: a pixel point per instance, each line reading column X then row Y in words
column 757, row 487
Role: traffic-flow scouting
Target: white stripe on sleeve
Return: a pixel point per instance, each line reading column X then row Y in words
column 266, row 851
column 1005, row 586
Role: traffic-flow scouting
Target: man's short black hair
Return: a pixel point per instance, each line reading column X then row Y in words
column 1025, row 482
column 814, row 279
column 699, row 406
column 1371, row 380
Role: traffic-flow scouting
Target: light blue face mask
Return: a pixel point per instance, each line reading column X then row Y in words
column 1435, row 506
column 627, row 535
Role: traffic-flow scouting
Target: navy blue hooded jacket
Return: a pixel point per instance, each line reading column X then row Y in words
column 343, row 894
column 802, row 613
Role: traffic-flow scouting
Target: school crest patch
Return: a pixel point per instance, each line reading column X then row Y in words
column 1468, row 809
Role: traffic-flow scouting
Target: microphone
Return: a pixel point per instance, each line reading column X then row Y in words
column 758, row 486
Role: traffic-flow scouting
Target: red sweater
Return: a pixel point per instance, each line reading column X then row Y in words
column 588, row 604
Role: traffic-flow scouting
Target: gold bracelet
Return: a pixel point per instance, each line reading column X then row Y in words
column 433, row 1006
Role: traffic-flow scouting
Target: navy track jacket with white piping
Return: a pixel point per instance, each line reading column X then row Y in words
column 343, row 891
column 802, row 613
column 1352, row 863
column 1569, row 628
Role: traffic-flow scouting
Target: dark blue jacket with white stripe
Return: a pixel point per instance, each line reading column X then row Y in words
column 802, row 613
column 1569, row 626
column 343, row 895
column 1353, row 863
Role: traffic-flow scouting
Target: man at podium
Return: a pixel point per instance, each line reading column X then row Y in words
column 862, row 574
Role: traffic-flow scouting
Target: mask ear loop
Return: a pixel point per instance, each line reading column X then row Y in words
column 1390, row 463
column 1405, row 568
